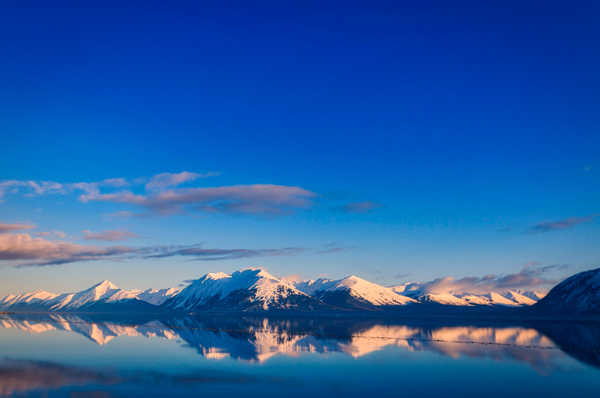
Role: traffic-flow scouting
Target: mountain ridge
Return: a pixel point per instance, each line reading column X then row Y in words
column 256, row 290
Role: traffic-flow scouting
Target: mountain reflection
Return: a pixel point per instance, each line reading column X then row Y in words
column 258, row 340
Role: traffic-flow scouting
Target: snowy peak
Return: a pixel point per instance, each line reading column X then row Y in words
column 102, row 292
column 252, row 287
column 157, row 296
column 32, row 298
column 105, row 285
column 519, row 298
column 356, row 287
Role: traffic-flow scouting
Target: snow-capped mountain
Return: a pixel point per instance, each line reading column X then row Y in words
column 249, row 289
column 508, row 298
column 578, row 294
column 255, row 289
column 353, row 291
column 104, row 295
column 37, row 298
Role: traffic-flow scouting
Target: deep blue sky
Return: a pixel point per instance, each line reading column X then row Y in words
column 455, row 131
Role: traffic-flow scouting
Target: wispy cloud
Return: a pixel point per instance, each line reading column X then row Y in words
column 532, row 276
column 23, row 250
column 162, row 194
column 246, row 199
column 548, row 226
column 14, row 227
column 358, row 207
column 167, row 180
column 199, row 253
column 39, row 251
column 37, row 188
column 109, row 236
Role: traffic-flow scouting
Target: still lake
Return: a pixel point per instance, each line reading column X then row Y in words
column 63, row 355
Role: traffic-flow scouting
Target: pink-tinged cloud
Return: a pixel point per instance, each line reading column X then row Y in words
column 20, row 247
column 22, row 250
column 109, row 236
column 14, row 227
column 548, row 226
column 167, row 180
column 530, row 277
column 245, row 199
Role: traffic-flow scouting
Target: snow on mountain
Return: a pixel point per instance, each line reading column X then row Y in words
column 250, row 288
column 101, row 291
column 356, row 287
column 510, row 298
column 519, row 298
column 32, row 298
column 532, row 294
column 577, row 294
column 255, row 289
column 444, row 299
column 157, row 296
column 104, row 292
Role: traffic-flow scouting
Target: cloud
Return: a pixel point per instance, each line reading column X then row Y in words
column 161, row 194
column 39, row 251
column 38, row 188
column 531, row 276
column 14, row 227
column 358, row 207
column 109, row 236
column 23, row 250
column 548, row 226
column 31, row 187
column 199, row 253
column 330, row 250
column 243, row 199
column 166, row 180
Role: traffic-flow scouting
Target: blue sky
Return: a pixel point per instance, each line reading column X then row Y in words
column 393, row 142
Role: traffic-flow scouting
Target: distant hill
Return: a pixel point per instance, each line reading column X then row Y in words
column 578, row 294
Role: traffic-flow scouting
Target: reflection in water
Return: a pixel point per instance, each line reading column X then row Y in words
column 252, row 339
column 18, row 376
column 231, row 348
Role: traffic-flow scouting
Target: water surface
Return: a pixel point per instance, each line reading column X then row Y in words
column 78, row 356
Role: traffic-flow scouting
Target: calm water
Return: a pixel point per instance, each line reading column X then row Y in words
column 75, row 356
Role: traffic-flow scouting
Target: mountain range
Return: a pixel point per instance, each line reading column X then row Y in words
column 256, row 290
